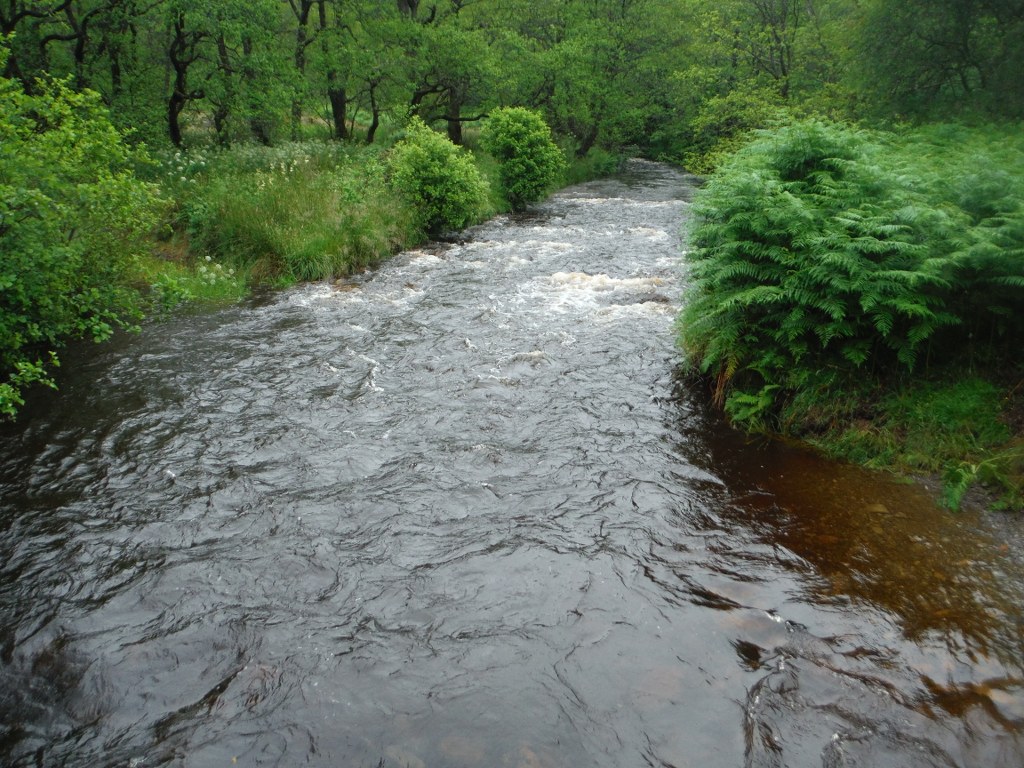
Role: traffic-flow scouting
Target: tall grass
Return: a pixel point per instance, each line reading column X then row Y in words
column 299, row 212
column 598, row 163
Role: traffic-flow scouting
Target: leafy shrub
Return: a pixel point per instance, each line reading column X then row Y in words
column 73, row 222
column 437, row 178
column 810, row 255
column 531, row 163
column 835, row 269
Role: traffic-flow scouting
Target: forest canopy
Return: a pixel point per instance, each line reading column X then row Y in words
column 673, row 78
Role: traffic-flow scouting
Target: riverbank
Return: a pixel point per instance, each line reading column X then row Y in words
column 100, row 235
column 256, row 216
column 962, row 437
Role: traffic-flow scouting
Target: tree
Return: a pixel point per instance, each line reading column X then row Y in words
column 530, row 162
column 72, row 222
column 931, row 56
column 451, row 64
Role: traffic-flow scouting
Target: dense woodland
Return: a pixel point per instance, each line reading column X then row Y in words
column 667, row 76
column 862, row 229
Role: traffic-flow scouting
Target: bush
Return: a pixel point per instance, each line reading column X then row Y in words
column 530, row 162
column 834, row 266
column 810, row 255
column 437, row 178
column 73, row 222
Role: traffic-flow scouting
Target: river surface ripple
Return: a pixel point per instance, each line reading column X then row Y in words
column 460, row 512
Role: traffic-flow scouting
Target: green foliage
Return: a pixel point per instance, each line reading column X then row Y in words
column 830, row 262
column 300, row 212
column 1001, row 469
column 25, row 374
column 597, row 164
column 670, row 78
column 73, row 222
column 751, row 408
column 490, row 171
column 822, row 246
column 530, row 161
column 722, row 125
column 173, row 284
column 977, row 177
column 948, row 419
column 808, row 254
column 953, row 429
column 438, row 179
column 933, row 58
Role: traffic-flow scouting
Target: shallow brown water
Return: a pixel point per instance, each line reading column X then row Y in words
column 466, row 515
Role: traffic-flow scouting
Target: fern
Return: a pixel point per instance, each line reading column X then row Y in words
column 823, row 245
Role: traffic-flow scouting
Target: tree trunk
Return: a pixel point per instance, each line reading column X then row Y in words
column 375, row 112
column 339, row 105
column 587, row 141
column 336, row 95
column 174, row 107
column 454, row 119
column 180, row 56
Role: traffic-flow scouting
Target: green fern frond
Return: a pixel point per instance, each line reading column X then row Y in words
column 883, row 322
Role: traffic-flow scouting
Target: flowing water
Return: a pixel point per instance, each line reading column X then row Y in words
column 459, row 512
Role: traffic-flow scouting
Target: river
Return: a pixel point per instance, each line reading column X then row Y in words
column 460, row 512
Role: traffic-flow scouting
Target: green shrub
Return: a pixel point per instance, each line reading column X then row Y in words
column 437, row 178
column 836, row 271
column 73, row 222
column 531, row 163
column 808, row 255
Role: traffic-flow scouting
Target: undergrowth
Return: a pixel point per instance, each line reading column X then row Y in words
column 300, row 212
column 832, row 263
column 956, row 430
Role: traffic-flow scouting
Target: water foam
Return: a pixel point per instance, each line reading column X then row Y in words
column 602, row 281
